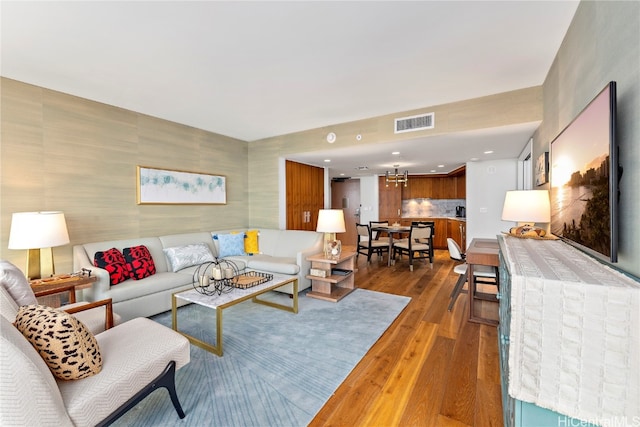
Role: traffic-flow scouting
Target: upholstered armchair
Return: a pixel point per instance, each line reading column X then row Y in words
column 128, row 362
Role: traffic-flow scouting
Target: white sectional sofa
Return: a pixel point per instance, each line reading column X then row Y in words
column 280, row 251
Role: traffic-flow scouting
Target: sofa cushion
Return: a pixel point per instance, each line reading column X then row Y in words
column 180, row 257
column 283, row 265
column 126, row 369
column 65, row 344
column 230, row 244
column 14, row 281
column 113, row 261
column 139, row 262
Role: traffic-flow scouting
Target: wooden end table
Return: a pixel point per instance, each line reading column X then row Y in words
column 332, row 287
column 61, row 283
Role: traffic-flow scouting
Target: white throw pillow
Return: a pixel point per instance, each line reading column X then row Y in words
column 180, row 257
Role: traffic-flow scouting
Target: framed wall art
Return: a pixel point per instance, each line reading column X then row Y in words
column 542, row 169
column 167, row 186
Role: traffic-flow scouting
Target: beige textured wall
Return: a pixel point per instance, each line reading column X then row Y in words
column 60, row 152
column 519, row 106
column 602, row 44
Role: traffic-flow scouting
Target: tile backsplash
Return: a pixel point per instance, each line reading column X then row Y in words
column 430, row 208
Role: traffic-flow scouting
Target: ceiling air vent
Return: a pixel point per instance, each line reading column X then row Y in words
column 413, row 123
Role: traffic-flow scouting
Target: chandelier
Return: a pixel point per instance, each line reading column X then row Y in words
column 396, row 177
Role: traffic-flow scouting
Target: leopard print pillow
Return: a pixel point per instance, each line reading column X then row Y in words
column 66, row 345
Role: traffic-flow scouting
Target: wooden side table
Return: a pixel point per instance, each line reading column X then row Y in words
column 59, row 284
column 334, row 286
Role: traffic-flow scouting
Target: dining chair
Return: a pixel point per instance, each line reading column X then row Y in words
column 377, row 235
column 481, row 273
column 425, row 224
column 367, row 245
column 419, row 245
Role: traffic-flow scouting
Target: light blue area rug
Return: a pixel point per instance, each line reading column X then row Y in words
column 278, row 368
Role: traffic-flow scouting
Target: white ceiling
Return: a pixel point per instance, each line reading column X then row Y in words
column 252, row 70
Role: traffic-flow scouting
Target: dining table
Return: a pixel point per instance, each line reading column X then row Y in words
column 392, row 231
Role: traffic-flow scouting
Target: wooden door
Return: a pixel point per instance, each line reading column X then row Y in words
column 389, row 201
column 345, row 195
column 305, row 195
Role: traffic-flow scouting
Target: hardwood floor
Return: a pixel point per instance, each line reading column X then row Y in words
column 431, row 367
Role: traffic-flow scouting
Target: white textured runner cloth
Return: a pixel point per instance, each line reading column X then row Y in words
column 575, row 333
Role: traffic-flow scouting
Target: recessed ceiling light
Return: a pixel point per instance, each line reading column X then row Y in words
column 327, row 160
column 433, row 170
column 474, row 159
column 440, row 166
column 341, row 174
column 488, row 152
column 395, row 153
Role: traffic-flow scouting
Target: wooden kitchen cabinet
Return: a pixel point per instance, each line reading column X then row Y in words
column 440, row 236
column 449, row 188
column 427, row 187
column 456, row 229
column 461, row 187
column 418, row 187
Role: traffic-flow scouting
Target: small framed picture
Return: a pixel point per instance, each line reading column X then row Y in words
column 542, row 169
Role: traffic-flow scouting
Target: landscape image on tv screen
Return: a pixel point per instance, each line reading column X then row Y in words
column 580, row 168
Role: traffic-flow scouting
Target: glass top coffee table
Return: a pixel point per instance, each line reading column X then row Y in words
column 224, row 300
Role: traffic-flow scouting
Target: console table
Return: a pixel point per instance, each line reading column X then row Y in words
column 480, row 252
column 569, row 337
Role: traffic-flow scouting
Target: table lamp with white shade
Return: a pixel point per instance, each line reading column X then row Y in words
column 38, row 232
column 527, row 207
column 330, row 222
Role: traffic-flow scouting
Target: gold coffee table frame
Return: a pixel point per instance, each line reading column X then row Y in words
column 236, row 296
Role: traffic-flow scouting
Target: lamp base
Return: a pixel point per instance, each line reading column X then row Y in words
column 332, row 246
column 335, row 249
column 39, row 263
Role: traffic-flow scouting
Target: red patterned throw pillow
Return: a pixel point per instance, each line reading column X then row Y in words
column 139, row 262
column 113, row 261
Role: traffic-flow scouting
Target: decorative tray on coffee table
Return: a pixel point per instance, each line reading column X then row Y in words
column 250, row 279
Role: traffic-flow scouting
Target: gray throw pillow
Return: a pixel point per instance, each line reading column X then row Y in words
column 180, row 257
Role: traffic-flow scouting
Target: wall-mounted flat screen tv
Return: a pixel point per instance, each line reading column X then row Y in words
column 584, row 179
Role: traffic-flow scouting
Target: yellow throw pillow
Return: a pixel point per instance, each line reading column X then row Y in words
column 251, row 245
column 251, row 242
column 65, row 344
